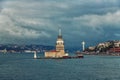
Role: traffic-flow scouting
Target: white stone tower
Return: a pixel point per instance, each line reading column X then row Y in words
column 59, row 52
column 83, row 45
column 60, row 44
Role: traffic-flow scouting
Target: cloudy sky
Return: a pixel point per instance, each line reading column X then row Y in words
column 38, row 21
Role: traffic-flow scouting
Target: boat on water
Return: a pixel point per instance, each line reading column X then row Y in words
column 79, row 54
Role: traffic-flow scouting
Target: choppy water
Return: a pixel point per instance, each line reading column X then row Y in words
column 24, row 67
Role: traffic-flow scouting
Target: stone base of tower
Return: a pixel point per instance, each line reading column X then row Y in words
column 54, row 54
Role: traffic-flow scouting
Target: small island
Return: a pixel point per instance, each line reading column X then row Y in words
column 59, row 52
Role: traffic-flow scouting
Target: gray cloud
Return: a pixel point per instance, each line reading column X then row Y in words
column 37, row 21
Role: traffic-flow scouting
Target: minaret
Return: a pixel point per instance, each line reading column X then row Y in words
column 60, row 44
column 83, row 45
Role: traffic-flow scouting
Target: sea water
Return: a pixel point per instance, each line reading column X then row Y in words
column 24, row 67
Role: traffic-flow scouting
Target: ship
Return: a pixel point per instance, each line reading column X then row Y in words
column 79, row 54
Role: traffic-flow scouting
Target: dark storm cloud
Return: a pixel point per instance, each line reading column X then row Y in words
column 37, row 21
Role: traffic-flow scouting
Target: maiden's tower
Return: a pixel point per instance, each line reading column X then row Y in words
column 59, row 52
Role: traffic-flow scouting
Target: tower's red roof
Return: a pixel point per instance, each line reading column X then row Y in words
column 53, row 51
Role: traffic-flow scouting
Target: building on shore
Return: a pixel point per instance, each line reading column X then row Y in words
column 60, row 51
column 114, row 50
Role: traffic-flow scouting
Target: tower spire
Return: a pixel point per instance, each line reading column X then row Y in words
column 60, row 32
